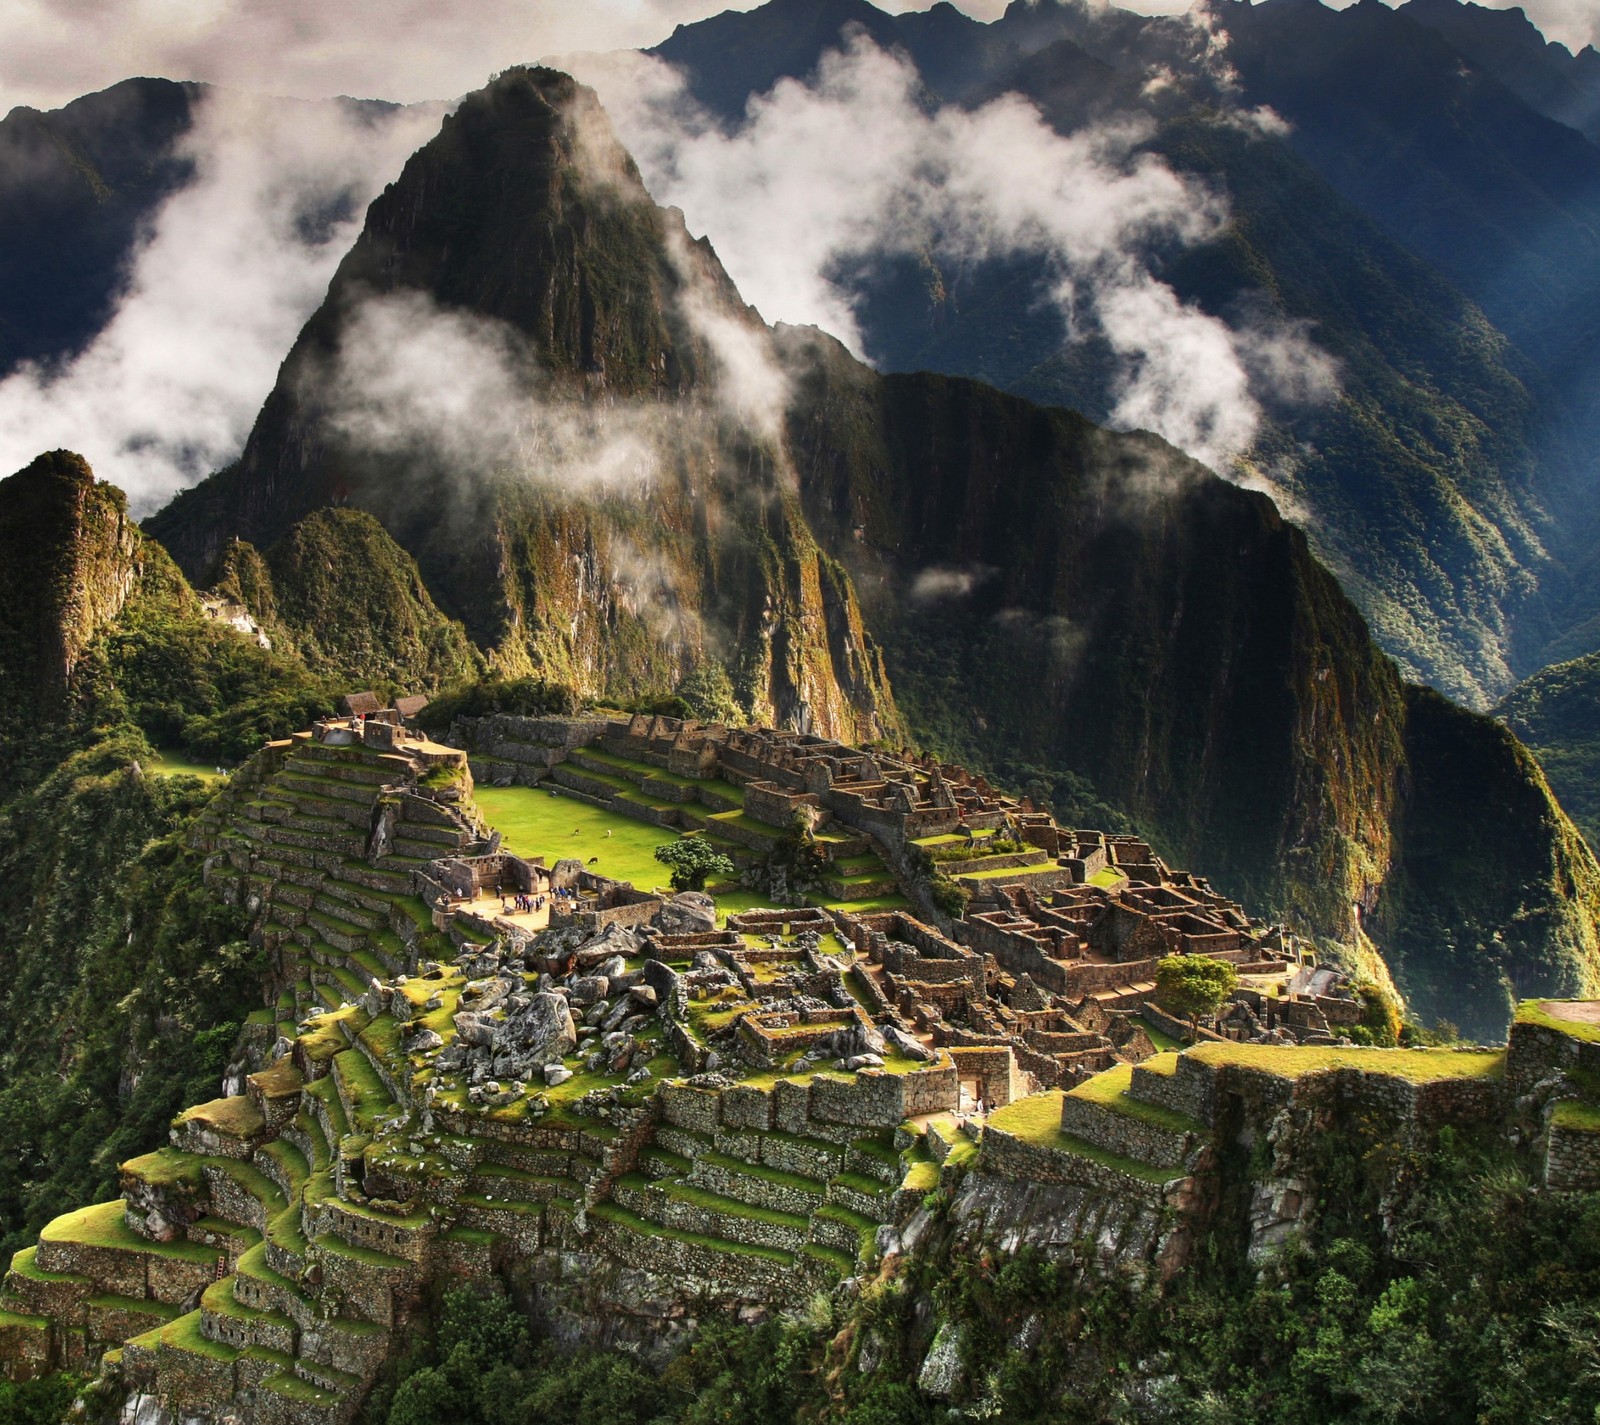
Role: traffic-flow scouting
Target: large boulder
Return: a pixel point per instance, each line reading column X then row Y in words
column 589, row 988
column 474, row 1029
column 687, row 913
column 542, row 1031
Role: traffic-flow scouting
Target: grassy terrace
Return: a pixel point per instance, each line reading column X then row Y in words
column 1416, row 1065
column 631, row 768
column 167, row 1167
column 1576, row 1116
column 1536, row 1012
column 536, row 823
column 233, row 1117
column 362, row 1089
column 612, row 1212
column 1037, row 1120
column 184, row 1335
column 103, row 1225
column 1110, row 1090
column 169, row 763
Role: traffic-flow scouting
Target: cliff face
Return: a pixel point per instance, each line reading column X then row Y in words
column 1057, row 600
column 68, row 561
column 1557, row 714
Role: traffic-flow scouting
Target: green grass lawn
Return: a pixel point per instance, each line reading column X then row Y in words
column 1417, row 1065
column 1532, row 1011
column 534, row 823
column 177, row 764
column 104, row 1225
column 1160, row 1038
column 1110, row 1090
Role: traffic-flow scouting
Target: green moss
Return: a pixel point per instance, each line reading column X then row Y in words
column 1110, row 1090
column 234, row 1117
column 1577, row 1116
column 167, row 1167
column 362, row 1089
column 140, row 1305
column 1036, row 1119
column 1534, row 1012
column 184, row 1334
column 105, row 1225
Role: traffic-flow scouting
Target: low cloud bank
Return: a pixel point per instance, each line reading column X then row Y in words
column 828, row 176
column 215, row 293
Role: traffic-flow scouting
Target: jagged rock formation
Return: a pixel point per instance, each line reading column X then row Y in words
column 68, row 562
column 525, row 216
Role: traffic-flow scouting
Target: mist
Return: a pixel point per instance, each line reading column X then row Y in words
column 794, row 195
column 214, row 294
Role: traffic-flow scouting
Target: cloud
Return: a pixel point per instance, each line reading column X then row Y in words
column 799, row 193
column 939, row 582
column 230, row 269
column 51, row 51
column 465, row 395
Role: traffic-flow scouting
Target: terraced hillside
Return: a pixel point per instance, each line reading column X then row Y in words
column 518, row 773
column 267, row 1253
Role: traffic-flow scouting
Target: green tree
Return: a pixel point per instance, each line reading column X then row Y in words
column 693, row 861
column 708, row 694
column 1194, row 985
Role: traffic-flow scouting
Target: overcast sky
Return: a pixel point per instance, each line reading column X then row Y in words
column 51, row 51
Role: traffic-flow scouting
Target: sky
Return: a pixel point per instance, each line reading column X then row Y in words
column 51, row 51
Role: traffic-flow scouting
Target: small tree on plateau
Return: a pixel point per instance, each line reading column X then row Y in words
column 1194, row 985
column 693, row 861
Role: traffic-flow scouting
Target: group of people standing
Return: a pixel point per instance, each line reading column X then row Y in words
column 520, row 904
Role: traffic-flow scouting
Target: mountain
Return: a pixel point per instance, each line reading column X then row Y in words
column 337, row 591
column 1505, row 43
column 79, row 188
column 903, row 553
column 1556, row 713
column 496, row 218
column 75, row 185
column 1449, row 160
column 1425, row 484
column 1446, row 486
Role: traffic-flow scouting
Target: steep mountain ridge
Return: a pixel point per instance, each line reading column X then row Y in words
column 1423, row 482
column 68, row 562
column 1556, row 713
column 1110, row 612
column 610, row 320
column 1561, row 85
column 1098, row 607
column 340, row 593
column 75, row 185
